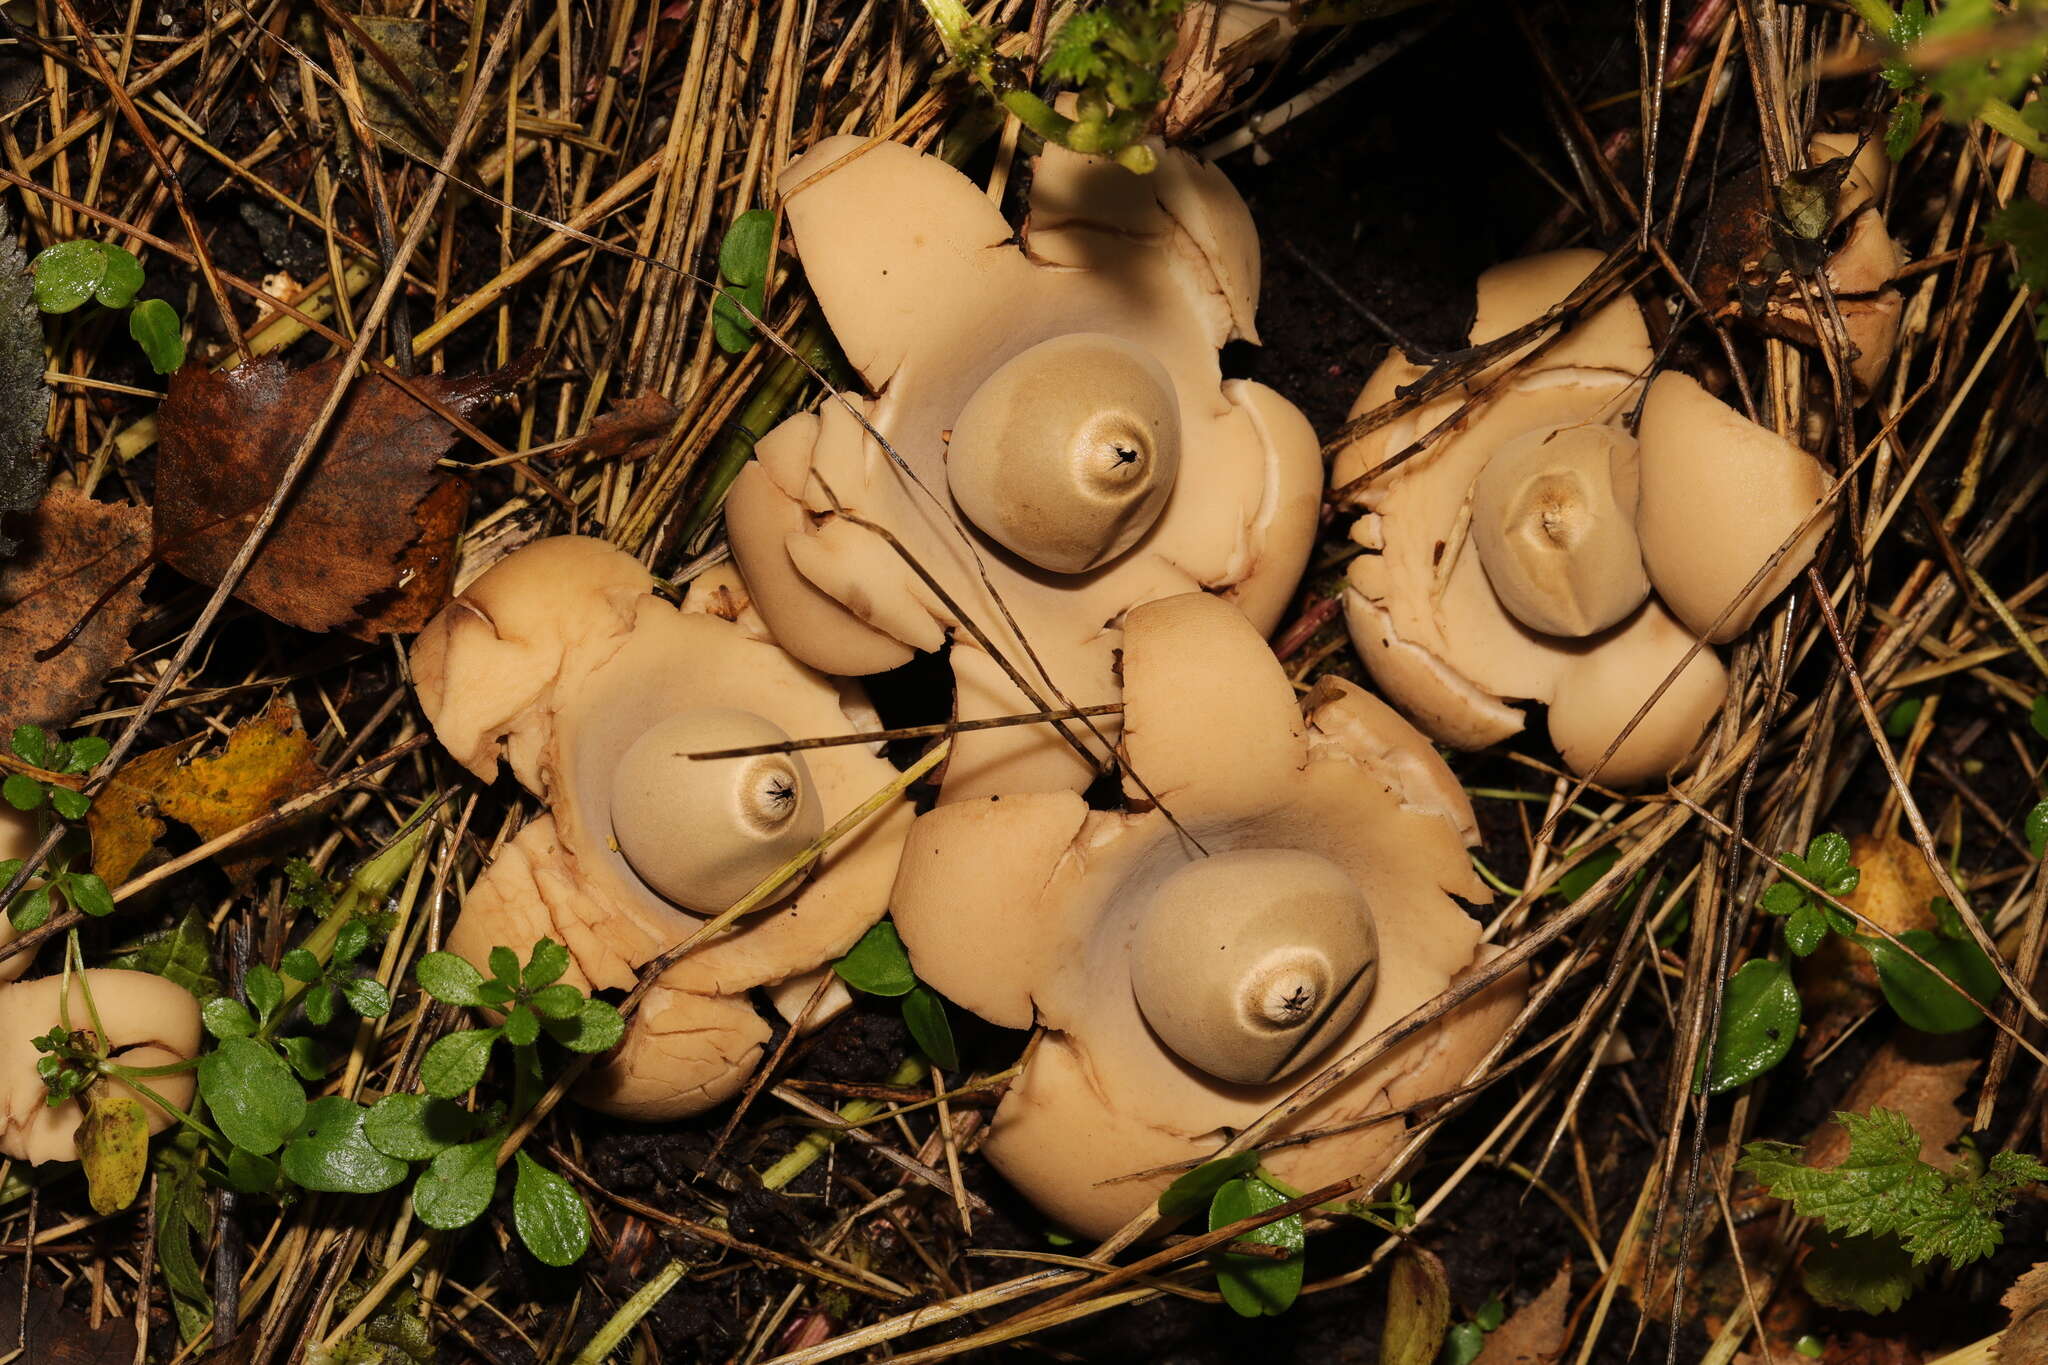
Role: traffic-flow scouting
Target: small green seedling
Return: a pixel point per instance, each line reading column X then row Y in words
column 36, row 793
column 878, row 965
column 1890, row 1211
column 69, row 274
column 1465, row 1340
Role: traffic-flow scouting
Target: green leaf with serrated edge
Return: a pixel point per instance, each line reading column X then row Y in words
column 449, row 979
column 595, row 1027
column 349, row 942
column 330, row 1154
column 551, row 1219
column 457, row 1186
column 522, row 1026
column 22, row 792
column 319, row 1005
column 1192, row 1191
column 113, row 1146
column 31, row 744
column 123, row 277
column 417, row 1127
column 32, row 911
column 2037, row 828
column 749, row 246
column 89, row 894
column 86, row 753
column 1880, row 1185
column 556, row 1002
column 305, row 1056
column 925, row 1013
column 545, row 965
column 505, row 965
column 1864, row 1274
column 255, row 1099
column 1783, row 898
column 155, row 327
column 1921, row 998
column 226, row 1017
column 182, row 953
column 1255, row 1286
column 300, row 965
column 67, row 274
column 878, row 963
column 1759, row 1019
column 68, row 803
column 366, row 996
column 454, row 1064
column 264, row 991
column 1805, row 929
column 248, row 1173
column 496, row 994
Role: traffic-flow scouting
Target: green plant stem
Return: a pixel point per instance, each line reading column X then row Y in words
column 764, row 408
column 816, row 1143
column 2003, row 118
column 608, row 1337
column 370, row 883
column 134, row 1082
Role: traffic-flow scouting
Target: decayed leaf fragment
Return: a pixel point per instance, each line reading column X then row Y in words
column 268, row 760
column 1534, row 1334
column 2025, row 1339
column 75, row 550
column 367, row 542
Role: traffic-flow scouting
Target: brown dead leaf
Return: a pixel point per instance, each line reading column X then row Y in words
column 2025, row 1339
column 1921, row 1075
column 1534, row 1334
column 59, row 1331
column 1838, row 981
column 367, row 542
column 76, row 549
column 268, row 761
column 632, row 430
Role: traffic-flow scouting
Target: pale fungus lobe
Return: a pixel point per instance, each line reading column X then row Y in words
column 563, row 662
column 1067, row 454
column 1185, row 990
column 1533, row 550
column 1050, row 438
column 149, row 1021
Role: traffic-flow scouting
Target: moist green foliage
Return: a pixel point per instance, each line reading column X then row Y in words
column 1885, row 1188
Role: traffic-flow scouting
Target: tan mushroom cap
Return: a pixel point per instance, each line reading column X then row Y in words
column 1248, row 963
column 942, row 312
column 1868, row 258
column 1598, row 696
column 592, row 691
column 704, row 832
column 1721, row 496
column 17, row 840
column 1066, row 455
column 1554, row 521
column 1037, row 908
column 149, row 1021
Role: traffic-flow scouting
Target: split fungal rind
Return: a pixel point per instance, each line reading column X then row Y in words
column 1184, row 993
column 562, row 662
column 1097, row 456
column 1538, row 551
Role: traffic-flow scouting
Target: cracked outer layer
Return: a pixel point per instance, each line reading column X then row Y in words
column 1029, row 908
column 556, row 661
column 150, row 1021
column 1718, row 495
column 929, row 294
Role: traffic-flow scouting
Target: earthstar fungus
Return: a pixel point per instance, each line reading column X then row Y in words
column 1063, row 429
column 562, row 662
column 1183, row 994
column 1536, row 550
